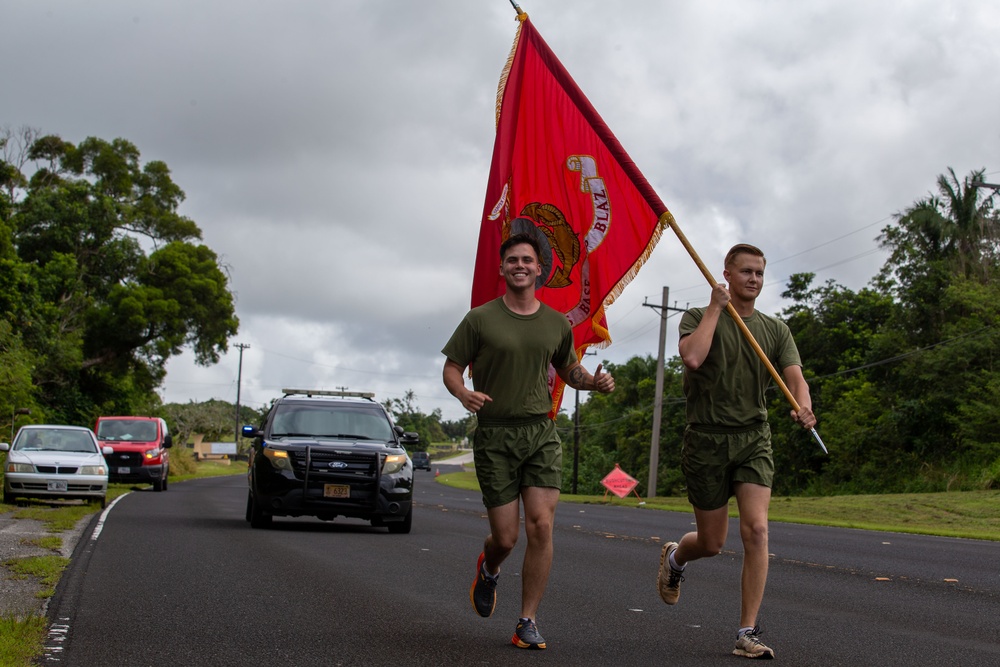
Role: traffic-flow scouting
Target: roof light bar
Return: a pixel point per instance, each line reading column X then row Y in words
column 323, row 392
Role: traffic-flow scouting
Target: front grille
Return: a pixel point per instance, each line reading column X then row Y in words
column 60, row 470
column 319, row 466
column 125, row 459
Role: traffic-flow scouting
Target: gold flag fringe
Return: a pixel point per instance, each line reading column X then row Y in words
column 502, row 86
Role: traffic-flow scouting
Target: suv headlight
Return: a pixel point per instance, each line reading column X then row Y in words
column 91, row 470
column 20, row 467
column 278, row 458
column 152, row 453
column 393, row 463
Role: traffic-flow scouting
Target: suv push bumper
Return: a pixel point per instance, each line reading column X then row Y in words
column 281, row 496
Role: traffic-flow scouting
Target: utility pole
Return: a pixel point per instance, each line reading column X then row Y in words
column 239, row 381
column 576, row 433
column 654, row 445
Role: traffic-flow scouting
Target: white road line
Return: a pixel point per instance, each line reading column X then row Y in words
column 104, row 515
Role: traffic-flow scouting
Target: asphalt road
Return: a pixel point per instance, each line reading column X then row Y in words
column 180, row 578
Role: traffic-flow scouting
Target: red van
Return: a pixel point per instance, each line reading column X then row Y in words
column 140, row 447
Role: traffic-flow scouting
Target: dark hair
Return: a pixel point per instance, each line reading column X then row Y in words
column 741, row 249
column 518, row 239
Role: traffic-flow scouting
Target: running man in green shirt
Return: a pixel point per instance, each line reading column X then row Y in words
column 727, row 441
column 510, row 343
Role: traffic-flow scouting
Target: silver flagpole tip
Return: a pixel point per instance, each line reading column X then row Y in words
column 819, row 440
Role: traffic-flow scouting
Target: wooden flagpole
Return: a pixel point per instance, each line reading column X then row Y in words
column 666, row 218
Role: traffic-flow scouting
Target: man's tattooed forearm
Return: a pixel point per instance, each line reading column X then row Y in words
column 576, row 378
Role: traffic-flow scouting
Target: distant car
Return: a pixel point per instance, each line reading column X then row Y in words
column 53, row 461
column 328, row 454
column 421, row 461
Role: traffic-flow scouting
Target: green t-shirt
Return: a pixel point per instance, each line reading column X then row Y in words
column 510, row 356
column 727, row 390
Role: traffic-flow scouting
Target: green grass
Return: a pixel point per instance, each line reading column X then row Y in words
column 57, row 517
column 46, row 569
column 21, row 640
column 50, row 542
column 213, row 469
column 968, row 514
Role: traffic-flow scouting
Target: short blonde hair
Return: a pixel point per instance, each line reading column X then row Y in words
column 743, row 249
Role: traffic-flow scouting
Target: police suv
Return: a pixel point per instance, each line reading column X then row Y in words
column 327, row 454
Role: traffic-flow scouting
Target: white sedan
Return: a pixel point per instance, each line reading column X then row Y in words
column 48, row 461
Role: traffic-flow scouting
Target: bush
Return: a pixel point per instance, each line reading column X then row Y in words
column 182, row 462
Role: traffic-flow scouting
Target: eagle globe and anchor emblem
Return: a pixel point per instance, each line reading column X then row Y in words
column 561, row 249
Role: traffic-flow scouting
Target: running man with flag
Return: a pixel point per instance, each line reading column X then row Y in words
column 727, row 442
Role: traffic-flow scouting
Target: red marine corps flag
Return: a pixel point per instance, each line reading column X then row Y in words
column 559, row 173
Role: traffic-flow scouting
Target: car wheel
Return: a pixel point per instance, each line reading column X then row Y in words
column 9, row 497
column 258, row 519
column 157, row 485
column 402, row 527
column 166, row 478
column 104, row 502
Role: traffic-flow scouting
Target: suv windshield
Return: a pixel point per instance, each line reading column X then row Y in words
column 330, row 421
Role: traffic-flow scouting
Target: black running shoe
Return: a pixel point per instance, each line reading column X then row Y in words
column 526, row 636
column 483, row 592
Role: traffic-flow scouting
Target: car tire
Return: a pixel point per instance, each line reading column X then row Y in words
column 9, row 498
column 157, row 485
column 402, row 527
column 166, row 478
column 104, row 502
column 258, row 519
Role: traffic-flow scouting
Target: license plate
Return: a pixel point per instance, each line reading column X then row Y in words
column 55, row 485
column 124, row 471
column 336, row 491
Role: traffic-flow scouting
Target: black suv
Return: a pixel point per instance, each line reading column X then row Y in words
column 328, row 454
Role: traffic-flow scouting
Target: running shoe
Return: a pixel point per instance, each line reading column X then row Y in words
column 483, row 592
column 526, row 636
column 749, row 645
column 668, row 580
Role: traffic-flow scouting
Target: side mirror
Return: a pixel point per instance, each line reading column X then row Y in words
column 410, row 438
column 168, row 441
column 107, row 451
column 4, row 447
column 398, row 429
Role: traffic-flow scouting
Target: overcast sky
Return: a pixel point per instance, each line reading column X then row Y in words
column 335, row 154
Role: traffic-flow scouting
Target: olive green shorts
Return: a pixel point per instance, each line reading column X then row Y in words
column 714, row 461
column 511, row 457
